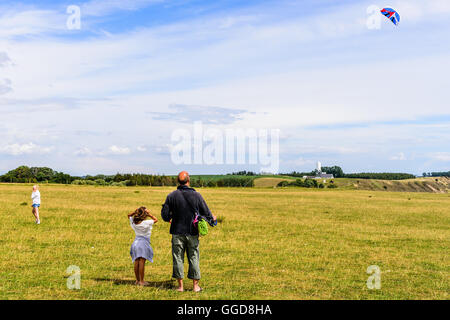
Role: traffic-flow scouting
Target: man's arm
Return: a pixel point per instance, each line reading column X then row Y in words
column 204, row 211
column 166, row 213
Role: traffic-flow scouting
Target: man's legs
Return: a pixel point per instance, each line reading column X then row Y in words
column 193, row 254
column 180, row 285
column 178, row 249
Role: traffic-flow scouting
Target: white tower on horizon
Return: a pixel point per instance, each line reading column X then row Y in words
column 319, row 167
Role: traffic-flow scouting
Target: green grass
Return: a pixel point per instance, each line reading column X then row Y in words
column 288, row 243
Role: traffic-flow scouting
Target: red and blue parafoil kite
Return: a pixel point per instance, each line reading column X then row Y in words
column 392, row 15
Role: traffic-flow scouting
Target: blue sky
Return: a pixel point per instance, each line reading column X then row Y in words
column 108, row 97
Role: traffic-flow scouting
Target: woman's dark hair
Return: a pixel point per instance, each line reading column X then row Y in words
column 140, row 215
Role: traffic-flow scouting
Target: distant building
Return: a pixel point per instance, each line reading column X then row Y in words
column 319, row 174
column 325, row 175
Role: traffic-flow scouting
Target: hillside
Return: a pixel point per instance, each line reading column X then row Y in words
column 428, row 184
column 433, row 185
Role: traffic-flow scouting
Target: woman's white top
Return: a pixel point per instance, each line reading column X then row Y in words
column 143, row 229
column 36, row 197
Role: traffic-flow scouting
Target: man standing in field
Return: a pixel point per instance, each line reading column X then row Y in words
column 179, row 208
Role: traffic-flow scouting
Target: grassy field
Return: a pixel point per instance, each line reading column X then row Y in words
column 287, row 243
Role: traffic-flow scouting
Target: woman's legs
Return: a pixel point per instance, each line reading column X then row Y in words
column 139, row 271
column 136, row 269
column 35, row 212
column 142, row 271
column 37, row 215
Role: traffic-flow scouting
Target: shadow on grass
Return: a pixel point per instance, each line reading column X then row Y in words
column 167, row 284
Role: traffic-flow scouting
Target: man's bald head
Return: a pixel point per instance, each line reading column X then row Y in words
column 183, row 178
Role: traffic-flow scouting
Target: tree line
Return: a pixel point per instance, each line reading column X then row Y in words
column 437, row 174
column 339, row 173
column 24, row 174
column 380, row 176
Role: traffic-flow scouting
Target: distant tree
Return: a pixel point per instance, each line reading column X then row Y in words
column 310, row 183
column 100, row 182
column 118, row 177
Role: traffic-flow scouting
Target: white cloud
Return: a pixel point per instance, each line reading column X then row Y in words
column 5, row 86
column 301, row 162
column 105, row 7
column 413, row 10
column 22, row 149
column 83, row 152
column 119, row 150
column 312, row 149
column 30, row 21
column 441, row 156
column 4, row 59
column 141, row 149
column 398, row 157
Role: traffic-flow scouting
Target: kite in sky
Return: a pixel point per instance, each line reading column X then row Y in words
column 392, row 15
